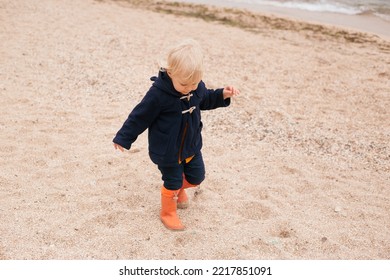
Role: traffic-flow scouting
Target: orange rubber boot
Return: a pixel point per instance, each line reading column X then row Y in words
column 168, row 213
column 182, row 199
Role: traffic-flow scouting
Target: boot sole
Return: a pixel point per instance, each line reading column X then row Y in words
column 173, row 229
column 182, row 205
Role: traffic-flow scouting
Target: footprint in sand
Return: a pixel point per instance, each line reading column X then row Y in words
column 110, row 220
column 255, row 211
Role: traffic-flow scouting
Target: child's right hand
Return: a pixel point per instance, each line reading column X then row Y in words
column 116, row 146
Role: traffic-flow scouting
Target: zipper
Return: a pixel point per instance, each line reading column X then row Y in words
column 182, row 142
column 189, row 110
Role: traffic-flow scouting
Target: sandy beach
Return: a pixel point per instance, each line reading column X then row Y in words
column 298, row 167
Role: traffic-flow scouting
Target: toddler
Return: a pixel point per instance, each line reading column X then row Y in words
column 171, row 110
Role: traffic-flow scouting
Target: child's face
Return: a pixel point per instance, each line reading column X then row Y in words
column 183, row 87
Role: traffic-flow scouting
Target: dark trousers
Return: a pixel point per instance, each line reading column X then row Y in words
column 194, row 172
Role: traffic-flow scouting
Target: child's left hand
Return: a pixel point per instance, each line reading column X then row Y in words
column 230, row 91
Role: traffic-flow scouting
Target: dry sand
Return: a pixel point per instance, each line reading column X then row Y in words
column 297, row 166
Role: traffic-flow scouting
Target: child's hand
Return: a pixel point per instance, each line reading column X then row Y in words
column 116, row 146
column 230, row 91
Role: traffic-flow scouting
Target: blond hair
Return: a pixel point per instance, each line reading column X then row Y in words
column 185, row 61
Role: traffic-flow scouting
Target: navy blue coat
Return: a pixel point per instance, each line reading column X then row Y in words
column 173, row 134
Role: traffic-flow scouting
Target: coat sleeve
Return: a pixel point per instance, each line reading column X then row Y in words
column 138, row 120
column 213, row 98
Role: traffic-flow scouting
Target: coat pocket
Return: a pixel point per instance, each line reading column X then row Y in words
column 159, row 143
column 198, row 136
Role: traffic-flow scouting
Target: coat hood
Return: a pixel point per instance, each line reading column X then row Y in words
column 164, row 83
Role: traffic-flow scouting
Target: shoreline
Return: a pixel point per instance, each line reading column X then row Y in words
column 366, row 23
column 260, row 22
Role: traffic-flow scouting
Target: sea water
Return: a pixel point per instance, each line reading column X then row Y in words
column 380, row 8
